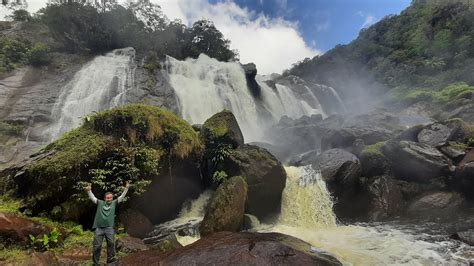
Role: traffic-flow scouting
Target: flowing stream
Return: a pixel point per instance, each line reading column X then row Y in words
column 307, row 213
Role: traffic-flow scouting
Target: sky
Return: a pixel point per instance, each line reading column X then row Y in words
column 277, row 33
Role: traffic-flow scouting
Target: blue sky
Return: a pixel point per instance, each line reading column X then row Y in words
column 326, row 23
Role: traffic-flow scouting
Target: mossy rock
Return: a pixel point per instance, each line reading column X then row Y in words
column 222, row 128
column 227, row 207
column 126, row 143
column 373, row 161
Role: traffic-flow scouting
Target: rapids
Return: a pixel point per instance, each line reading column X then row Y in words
column 306, row 213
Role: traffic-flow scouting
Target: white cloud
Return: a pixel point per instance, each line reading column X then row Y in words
column 272, row 44
column 322, row 26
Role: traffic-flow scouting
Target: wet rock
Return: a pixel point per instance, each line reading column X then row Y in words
column 410, row 134
column 452, row 152
column 304, row 158
column 385, row 198
column 250, row 71
column 245, row 248
column 415, row 161
column 464, row 175
column 136, row 224
column 436, row 203
column 338, row 167
column 225, row 211
column 264, row 175
column 169, row 230
column 465, row 236
column 15, row 230
column 129, row 244
column 280, row 152
column 373, row 161
column 222, row 128
column 345, row 138
column 438, row 134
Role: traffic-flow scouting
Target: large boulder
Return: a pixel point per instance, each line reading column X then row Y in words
column 436, row 203
column 345, row 138
column 226, row 248
column 384, row 198
column 373, row 160
column 15, row 230
column 137, row 224
column 414, row 161
column 339, row 168
column 129, row 244
column 265, row 177
column 222, row 128
column 133, row 142
column 438, row 134
column 226, row 208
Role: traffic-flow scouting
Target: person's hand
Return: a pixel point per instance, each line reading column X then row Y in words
column 127, row 184
column 88, row 187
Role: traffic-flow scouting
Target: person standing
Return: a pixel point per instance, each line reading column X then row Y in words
column 104, row 223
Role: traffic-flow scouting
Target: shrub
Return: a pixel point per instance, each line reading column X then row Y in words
column 21, row 15
column 38, row 55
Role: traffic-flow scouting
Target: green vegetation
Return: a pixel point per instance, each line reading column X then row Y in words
column 9, row 205
column 8, row 130
column 21, row 15
column 219, row 177
column 374, row 149
column 142, row 25
column 445, row 95
column 429, row 46
column 129, row 143
column 46, row 241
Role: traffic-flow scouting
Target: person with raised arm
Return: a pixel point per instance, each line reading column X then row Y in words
column 104, row 223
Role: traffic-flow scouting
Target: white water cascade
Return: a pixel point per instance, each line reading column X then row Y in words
column 101, row 84
column 205, row 86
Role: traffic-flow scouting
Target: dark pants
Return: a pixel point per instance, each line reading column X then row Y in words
column 99, row 234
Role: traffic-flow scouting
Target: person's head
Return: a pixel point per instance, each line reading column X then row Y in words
column 108, row 197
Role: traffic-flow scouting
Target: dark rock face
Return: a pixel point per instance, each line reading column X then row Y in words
column 15, row 230
column 385, row 198
column 415, row 161
column 374, row 163
column 264, row 175
column 345, row 138
column 226, row 208
column 222, row 128
column 464, row 175
column 250, row 70
column 436, row 203
column 435, row 135
column 226, row 248
column 137, row 224
column 164, row 197
column 338, row 167
column 129, row 244
column 465, row 236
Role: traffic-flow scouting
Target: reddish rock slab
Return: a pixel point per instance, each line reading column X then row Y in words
column 15, row 230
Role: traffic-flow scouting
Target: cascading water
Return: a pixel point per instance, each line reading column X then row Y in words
column 205, row 86
column 101, row 84
column 306, row 213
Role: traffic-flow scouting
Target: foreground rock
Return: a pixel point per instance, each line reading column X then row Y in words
column 222, row 128
column 414, row 161
column 15, row 230
column 226, row 209
column 136, row 223
column 265, row 177
column 225, row 248
column 129, row 244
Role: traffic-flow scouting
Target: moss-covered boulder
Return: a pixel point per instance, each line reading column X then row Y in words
column 373, row 161
column 222, row 128
column 226, row 209
column 265, row 177
column 141, row 143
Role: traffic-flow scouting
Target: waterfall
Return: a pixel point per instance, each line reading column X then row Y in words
column 306, row 202
column 205, row 86
column 100, row 84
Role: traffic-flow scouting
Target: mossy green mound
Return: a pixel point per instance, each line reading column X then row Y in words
column 222, row 128
column 127, row 143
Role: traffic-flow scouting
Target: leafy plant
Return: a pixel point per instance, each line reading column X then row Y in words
column 219, row 176
column 220, row 152
column 45, row 242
